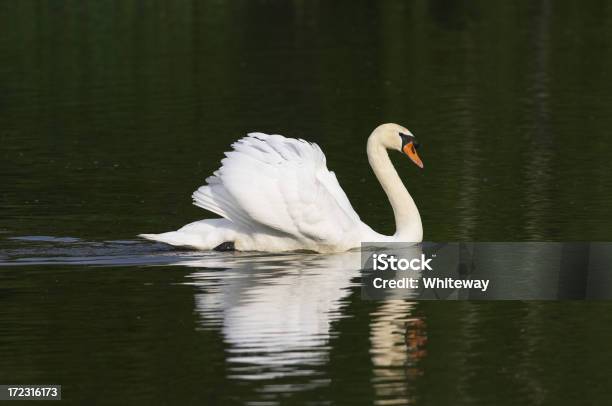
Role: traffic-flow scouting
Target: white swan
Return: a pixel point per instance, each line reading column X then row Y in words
column 276, row 194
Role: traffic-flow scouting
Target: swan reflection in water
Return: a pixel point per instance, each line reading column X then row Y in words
column 275, row 313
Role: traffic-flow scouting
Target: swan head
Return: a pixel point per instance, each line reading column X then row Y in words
column 398, row 138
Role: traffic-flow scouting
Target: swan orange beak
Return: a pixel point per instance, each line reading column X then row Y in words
column 412, row 154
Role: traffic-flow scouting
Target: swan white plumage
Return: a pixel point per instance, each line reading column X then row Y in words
column 276, row 194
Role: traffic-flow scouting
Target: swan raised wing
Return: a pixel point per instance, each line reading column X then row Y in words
column 269, row 184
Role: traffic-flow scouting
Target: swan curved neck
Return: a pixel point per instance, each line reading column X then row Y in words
column 407, row 218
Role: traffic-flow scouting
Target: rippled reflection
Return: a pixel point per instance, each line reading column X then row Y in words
column 398, row 337
column 275, row 312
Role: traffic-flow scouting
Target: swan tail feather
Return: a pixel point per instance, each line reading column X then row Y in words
column 173, row 238
column 203, row 234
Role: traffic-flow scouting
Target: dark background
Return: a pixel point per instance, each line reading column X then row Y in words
column 113, row 112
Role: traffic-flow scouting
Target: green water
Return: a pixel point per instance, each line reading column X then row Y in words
column 112, row 113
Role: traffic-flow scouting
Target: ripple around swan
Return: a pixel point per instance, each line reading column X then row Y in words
column 47, row 250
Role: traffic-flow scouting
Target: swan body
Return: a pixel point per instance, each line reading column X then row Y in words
column 276, row 194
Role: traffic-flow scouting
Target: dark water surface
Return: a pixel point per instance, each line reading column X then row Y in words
column 112, row 113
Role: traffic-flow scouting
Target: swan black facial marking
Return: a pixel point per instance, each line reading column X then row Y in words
column 408, row 138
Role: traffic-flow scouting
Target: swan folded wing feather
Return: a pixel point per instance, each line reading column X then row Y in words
column 282, row 184
column 215, row 199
